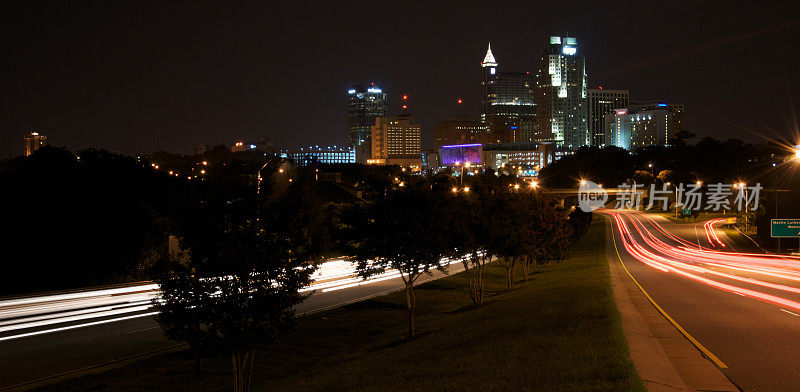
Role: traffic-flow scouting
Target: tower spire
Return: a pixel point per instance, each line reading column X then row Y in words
column 489, row 60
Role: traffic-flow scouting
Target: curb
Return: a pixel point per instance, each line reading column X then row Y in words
column 665, row 358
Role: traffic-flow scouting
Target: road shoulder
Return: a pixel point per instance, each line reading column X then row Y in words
column 663, row 357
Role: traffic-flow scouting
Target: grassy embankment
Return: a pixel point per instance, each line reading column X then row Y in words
column 559, row 331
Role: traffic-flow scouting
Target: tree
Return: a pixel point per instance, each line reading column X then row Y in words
column 242, row 281
column 401, row 232
column 507, row 211
column 467, row 228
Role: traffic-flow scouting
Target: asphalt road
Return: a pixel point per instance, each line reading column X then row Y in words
column 49, row 337
column 743, row 307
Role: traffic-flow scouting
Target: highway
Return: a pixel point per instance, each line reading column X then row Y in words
column 48, row 337
column 744, row 308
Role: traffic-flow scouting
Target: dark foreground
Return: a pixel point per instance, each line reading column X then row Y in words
column 558, row 331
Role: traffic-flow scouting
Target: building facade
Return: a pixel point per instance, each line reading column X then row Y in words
column 675, row 108
column 396, row 140
column 562, row 93
column 631, row 130
column 363, row 106
column 33, row 141
column 526, row 158
column 600, row 102
column 508, row 101
column 310, row 155
column 455, row 130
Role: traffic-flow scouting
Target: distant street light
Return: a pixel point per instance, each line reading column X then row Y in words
column 466, row 189
column 455, row 189
column 743, row 187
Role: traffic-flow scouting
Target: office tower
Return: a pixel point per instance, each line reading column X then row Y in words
column 396, row 141
column 33, row 141
column 675, row 108
column 635, row 129
column 456, row 130
column 507, row 101
column 561, row 94
column 601, row 102
column 488, row 73
column 363, row 106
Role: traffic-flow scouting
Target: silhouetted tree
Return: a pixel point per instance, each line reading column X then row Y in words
column 402, row 233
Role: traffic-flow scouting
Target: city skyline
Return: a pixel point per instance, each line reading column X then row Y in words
column 113, row 90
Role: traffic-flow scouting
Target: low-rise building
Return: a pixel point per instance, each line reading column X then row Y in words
column 305, row 156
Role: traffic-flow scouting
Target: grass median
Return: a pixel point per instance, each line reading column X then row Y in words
column 559, row 331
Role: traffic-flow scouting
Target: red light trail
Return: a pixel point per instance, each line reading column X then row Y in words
column 705, row 265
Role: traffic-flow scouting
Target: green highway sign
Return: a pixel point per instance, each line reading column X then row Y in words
column 785, row 228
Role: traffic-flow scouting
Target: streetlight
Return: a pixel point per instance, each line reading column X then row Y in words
column 466, row 189
column 461, row 178
column 534, row 184
column 652, row 171
column 676, row 198
column 743, row 186
column 516, row 186
column 455, row 190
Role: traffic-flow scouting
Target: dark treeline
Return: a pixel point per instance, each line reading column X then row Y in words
column 251, row 252
column 96, row 217
column 73, row 222
column 708, row 161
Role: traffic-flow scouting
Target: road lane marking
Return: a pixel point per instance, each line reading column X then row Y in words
column 694, row 341
column 181, row 345
column 143, row 329
column 25, row 335
column 792, row 313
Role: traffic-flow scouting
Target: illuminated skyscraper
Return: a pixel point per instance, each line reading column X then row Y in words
column 561, row 96
column 363, row 105
column 507, row 101
column 601, row 102
column 33, row 141
column 641, row 128
column 675, row 108
column 396, row 141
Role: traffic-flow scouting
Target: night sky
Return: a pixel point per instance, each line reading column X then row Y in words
column 140, row 76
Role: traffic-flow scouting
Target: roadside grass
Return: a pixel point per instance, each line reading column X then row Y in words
column 704, row 216
column 743, row 243
column 559, row 331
